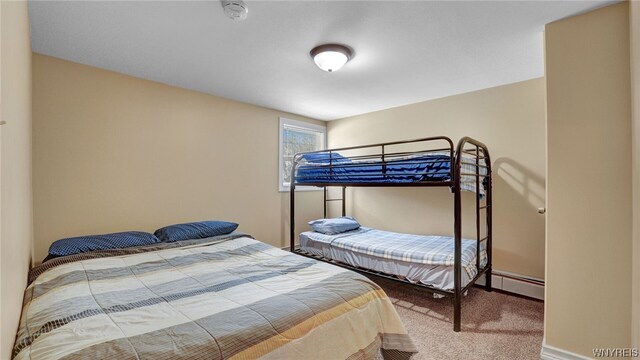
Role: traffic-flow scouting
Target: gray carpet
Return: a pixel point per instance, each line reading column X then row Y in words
column 494, row 325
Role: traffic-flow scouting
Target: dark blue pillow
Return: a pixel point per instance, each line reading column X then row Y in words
column 194, row 230
column 323, row 157
column 80, row 244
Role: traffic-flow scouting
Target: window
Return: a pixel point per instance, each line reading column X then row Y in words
column 295, row 137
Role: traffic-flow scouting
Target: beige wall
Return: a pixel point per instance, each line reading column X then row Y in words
column 15, row 169
column 117, row 153
column 634, row 17
column 510, row 119
column 588, row 282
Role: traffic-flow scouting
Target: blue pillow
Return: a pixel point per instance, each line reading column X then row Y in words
column 80, row 244
column 334, row 226
column 324, row 157
column 194, row 230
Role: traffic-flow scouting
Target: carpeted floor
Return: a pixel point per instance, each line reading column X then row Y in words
column 494, row 325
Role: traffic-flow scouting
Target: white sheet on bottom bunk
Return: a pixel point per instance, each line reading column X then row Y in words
column 438, row 276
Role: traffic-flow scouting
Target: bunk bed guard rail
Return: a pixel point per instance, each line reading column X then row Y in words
column 435, row 163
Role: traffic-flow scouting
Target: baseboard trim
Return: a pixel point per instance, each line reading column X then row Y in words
column 553, row 353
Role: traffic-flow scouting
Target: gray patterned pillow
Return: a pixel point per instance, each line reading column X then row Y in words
column 335, row 225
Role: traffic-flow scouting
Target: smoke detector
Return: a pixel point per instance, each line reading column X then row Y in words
column 235, row 10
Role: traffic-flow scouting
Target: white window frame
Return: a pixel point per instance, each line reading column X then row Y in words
column 304, row 126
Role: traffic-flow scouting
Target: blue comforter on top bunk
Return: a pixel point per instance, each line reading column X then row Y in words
column 401, row 170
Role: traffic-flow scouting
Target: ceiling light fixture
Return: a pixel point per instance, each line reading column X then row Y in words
column 331, row 57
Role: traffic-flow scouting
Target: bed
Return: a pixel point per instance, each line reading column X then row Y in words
column 419, row 259
column 224, row 297
column 390, row 169
column 426, row 162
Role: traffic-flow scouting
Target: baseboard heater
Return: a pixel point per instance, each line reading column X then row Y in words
column 516, row 284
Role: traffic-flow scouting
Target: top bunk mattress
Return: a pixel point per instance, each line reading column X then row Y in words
column 433, row 167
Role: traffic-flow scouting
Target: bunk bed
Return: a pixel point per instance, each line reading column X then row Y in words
column 425, row 162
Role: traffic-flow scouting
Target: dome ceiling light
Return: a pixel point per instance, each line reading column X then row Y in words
column 330, row 57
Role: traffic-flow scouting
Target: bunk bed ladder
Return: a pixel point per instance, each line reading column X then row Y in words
column 479, row 208
column 478, row 151
column 342, row 199
column 326, row 192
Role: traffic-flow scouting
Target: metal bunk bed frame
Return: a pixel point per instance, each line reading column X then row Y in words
column 477, row 150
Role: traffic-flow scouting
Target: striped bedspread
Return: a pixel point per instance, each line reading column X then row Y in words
column 423, row 249
column 229, row 297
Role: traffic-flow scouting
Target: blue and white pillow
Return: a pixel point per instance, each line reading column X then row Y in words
column 195, row 230
column 81, row 244
column 334, row 226
column 324, row 157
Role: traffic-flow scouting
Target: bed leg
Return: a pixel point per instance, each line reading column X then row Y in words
column 456, row 313
column 487, row 283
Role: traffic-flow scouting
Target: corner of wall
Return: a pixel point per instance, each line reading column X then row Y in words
column 588, row 105
column 634, row 29
column 16, row 198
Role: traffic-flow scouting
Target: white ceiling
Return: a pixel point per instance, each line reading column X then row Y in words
column 405, row 52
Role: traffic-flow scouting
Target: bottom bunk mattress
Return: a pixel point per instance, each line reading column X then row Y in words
column 421, row 259
column 227, row 297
